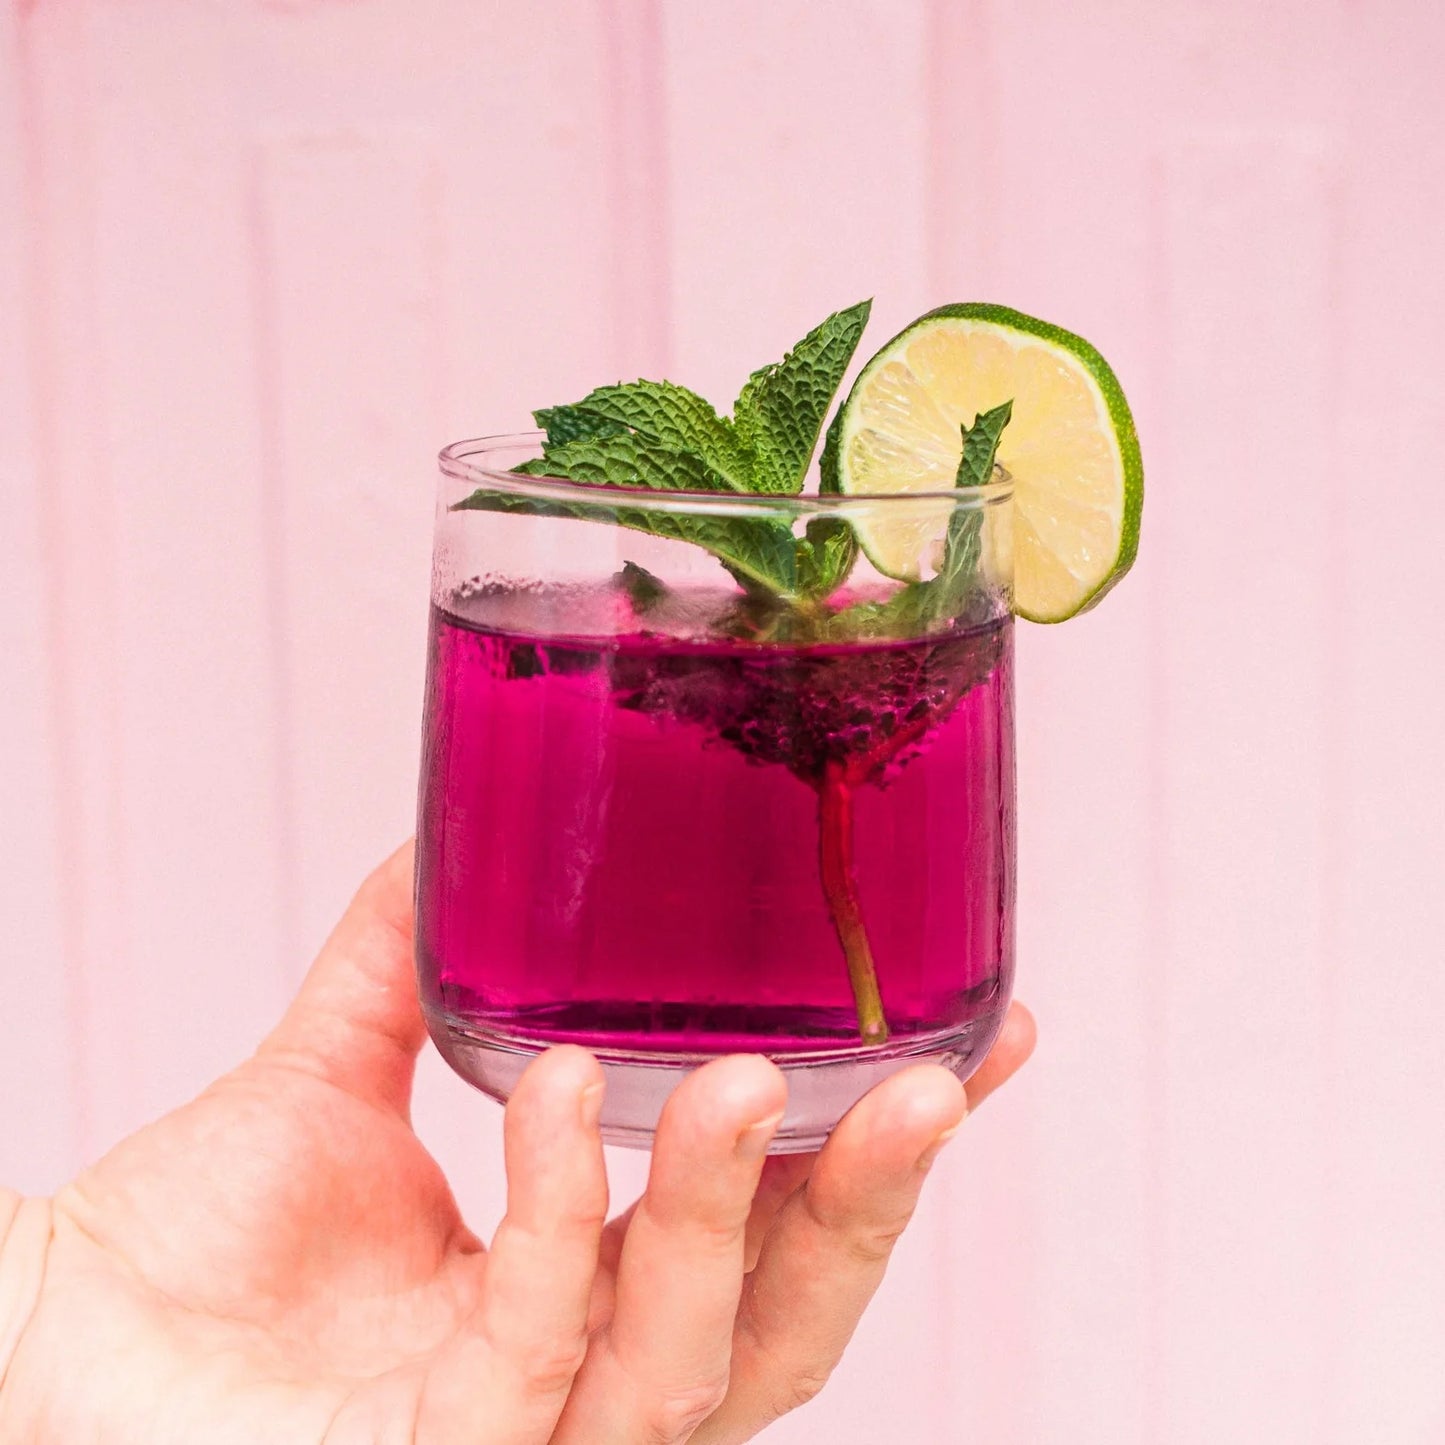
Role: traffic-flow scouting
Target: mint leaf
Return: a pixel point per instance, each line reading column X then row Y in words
column 759, row 552
column 949, row 590
column 980, row 446
column 760, row 549
column 825, row 556
column 623, row 459
column 676, row 418
column 569, row 424
column 782, row 408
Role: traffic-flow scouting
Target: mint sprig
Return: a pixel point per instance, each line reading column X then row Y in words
column 658, row 436
column 663, row 437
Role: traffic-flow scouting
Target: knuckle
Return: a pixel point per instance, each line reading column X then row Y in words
column 550, row 1369
column 377, row 892
column 872, row 1246
column 712, row 1231
column 793, row 1381
column 720, row 1233
column 675, row 1415
column 586, row 1212
column 802, row 1386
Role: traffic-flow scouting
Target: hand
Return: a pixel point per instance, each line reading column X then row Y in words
column 282, row 1261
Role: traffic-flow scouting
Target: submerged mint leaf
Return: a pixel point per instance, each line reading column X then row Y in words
column 643, row 590
column 781, row 410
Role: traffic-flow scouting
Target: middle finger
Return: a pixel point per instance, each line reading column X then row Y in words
column 783, row 1175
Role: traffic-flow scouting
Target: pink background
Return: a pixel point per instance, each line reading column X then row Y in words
column 257, row 260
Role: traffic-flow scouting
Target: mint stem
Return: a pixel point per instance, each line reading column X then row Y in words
column 840, row 886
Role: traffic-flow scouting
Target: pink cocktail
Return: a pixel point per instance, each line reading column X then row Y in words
column 654, row 823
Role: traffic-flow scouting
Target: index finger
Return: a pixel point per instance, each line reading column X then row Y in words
column 357, row 1021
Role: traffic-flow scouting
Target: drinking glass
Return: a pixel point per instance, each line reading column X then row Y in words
column 666, row 816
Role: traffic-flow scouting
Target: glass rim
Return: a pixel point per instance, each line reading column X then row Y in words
column 456, row 461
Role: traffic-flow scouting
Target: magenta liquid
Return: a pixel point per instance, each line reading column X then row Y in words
column 619, row 840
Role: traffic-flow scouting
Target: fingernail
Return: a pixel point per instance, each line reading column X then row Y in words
column 592, row 1105
column 925, row 1160
column 754, row 1140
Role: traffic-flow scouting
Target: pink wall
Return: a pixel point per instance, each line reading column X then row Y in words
column 258, row 259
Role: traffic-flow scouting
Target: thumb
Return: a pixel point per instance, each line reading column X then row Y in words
column 356, row 1021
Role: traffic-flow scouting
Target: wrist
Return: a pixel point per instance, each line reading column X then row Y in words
column 25, row 1230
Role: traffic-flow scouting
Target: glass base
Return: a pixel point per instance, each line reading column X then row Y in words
column 822, row 1085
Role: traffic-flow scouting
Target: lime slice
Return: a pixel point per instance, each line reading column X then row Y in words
column 1070, row 448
